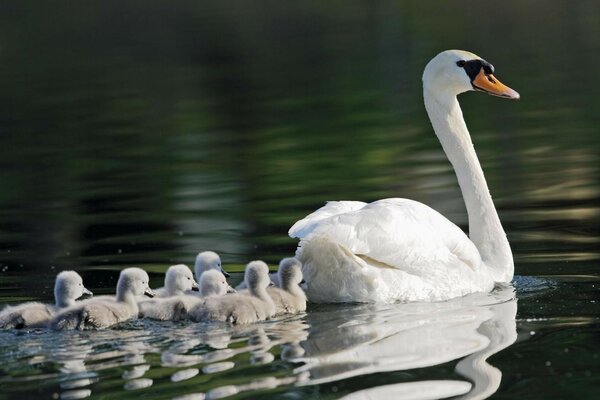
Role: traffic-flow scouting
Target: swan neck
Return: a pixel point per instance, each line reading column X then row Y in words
column 126, row 296
column 261, row 293
column 485, row 229
column 63, row 301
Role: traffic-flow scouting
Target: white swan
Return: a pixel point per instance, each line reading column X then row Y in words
column 401, row 250
column 68, row 287
column 207, row 260
column 178, row 281
column 103, row 313
column 239, row 308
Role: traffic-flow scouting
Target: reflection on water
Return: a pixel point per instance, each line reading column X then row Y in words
column 377, row 339
column 329, row 344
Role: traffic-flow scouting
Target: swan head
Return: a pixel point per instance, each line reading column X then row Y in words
column 257, row 275
column 213, row 283
column 457, row 71
column 68, row 288
column 179, row 279
column 208, row 260
column 134, row 281
column 290, row 272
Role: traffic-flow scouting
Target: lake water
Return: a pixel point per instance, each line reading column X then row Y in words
column 140, row 134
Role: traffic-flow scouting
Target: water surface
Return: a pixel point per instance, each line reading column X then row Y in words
column 138, row 135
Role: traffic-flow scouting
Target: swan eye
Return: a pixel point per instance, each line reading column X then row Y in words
column 461, row 63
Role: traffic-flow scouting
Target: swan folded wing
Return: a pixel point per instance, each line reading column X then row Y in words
column 401, row 234
column 306, row 225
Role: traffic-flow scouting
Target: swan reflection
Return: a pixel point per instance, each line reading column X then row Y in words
column 367, row 339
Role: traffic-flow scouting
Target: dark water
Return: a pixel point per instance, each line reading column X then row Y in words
column 140, row 134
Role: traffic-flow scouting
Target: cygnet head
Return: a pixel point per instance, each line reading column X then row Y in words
column 213, row 283
column 256, row 276
column 456, row 71
column 208, row 260
column 68, row 288
column 179, row 279
column 133, row 282
column 290, row 272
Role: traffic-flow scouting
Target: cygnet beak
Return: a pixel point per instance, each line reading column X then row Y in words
column 227, row 274
column 302, row 282
column 271, row 284
column 86, row 292
column 230, row 289
column 149, row 292
column 195, row 287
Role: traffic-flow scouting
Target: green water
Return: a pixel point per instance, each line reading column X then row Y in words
column 139, row 133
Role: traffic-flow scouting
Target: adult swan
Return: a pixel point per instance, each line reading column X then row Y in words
column 402, row 250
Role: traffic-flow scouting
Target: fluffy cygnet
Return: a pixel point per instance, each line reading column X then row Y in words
column 178, row 281
column 68, row 287
column 212, row 283
column 239, row 308
column 103, row 313
column 208, row 260
column 289, row 298
column 272, row 276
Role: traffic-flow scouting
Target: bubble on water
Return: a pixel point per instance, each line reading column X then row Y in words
column 532, row 333
column 548, row 363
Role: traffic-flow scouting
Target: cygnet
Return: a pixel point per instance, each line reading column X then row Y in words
column 178, row 281
column 212, row 283
column 208, row 260
column 289, row 298
column 68, row 287
column 239, row 308
column 103, row 313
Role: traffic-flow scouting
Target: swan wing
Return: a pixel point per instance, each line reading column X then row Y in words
column 306, row 225
column 394, row 233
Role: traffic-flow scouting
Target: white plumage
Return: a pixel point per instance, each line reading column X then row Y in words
column 402, row 250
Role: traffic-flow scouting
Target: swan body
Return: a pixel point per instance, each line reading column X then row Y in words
column 240, row 308
column 402, row 250
column 103, row 313
column 68, row 287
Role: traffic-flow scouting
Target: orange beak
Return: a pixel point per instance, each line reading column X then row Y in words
column 491, row 85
